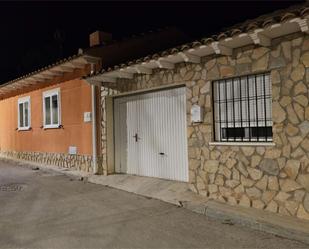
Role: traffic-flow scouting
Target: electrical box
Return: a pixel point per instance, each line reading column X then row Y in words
column 196, row 114
column 72, row 150
column 87, row 116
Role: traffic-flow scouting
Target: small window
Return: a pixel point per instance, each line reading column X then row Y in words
column 51, row 108
column 24, row 113
column 242, row 109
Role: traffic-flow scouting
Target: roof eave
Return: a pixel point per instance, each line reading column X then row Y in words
column 48, row 73
column 192, row 52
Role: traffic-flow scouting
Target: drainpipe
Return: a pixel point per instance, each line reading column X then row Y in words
column 94, row 125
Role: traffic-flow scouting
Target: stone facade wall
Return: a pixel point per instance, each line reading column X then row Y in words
column 104, row 92
column 77, row 162
column 274, row 178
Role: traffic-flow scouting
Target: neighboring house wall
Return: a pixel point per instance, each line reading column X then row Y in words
column 50, row 146
column 274, row 177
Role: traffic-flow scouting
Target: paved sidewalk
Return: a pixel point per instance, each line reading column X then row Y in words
column 178, row 193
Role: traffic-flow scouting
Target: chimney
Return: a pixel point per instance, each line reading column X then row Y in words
column 99, row 38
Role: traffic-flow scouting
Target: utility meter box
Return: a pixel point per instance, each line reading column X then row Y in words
column 87, row 117
column 196, row 114
column 72, row 150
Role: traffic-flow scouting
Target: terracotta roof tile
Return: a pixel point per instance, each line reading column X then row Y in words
column 287, row 16
column 263, row 21
column 304, row 12
column 221, row 36
column 42, row 69
column 196, row 43
column 251, row 26
column 268, row 22
column 235, row 32
column 61, row 61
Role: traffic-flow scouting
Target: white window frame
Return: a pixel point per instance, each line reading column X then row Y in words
column 49, row 94
column 24, row 100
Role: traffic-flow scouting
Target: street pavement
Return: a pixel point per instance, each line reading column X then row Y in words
column 45, row 209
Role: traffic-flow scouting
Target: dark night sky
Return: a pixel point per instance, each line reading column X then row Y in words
column 28, row 30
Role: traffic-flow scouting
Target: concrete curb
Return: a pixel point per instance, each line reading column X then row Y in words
column 177, row 194
column 283, row 226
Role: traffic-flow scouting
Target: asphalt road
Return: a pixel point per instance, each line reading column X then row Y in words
column 41, row 209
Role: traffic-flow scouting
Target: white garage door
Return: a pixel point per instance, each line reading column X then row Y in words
column 150, row 134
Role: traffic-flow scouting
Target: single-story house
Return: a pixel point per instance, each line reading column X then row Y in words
column 228, row 114
column 46, row 115
column 49, row 116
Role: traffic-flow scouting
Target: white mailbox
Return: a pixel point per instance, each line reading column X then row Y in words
column 87, row 116
column 196, row 114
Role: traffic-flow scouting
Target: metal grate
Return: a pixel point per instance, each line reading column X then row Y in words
column 242, row 109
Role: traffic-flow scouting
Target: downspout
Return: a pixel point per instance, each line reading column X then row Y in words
column 94, row 125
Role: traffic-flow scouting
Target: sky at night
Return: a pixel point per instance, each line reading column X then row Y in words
column 35, row 34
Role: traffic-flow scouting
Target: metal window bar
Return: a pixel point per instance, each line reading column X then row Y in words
column 226, row 112
column 241, row 124
column 232, row 122
column 233, row 113
column 218, row 88
column 248, row 100
column 256, row 106
column 265, row 109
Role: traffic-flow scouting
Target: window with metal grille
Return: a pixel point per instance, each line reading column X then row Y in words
column 242, row 109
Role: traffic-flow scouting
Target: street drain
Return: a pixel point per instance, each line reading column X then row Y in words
column 12, row 187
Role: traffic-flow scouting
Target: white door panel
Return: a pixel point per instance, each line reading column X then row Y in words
column 120, row 118
column 156, row 138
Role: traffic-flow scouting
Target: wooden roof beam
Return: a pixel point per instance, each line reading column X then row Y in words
column 52, row 73
column 57, row 70
column 45, row 76
column 302, row 23
column 124, row 75
column 106, row 79
column 74, row 65
column 143, row 70
column 25, row 83
column 30, row 81
column 259, row 38
column 62, row 69
column 38, row 78
column 2, row 91
column 66, row 69
column 161, row 63
column 220, row 49
column 16, row 86
column 139, row 69
column 187, row 57
column 8, row 87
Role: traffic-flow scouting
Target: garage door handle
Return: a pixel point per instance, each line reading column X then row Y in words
column 136, row 137
column 162, row 153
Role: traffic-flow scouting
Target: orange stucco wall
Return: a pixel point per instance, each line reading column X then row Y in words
column 75, row 100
